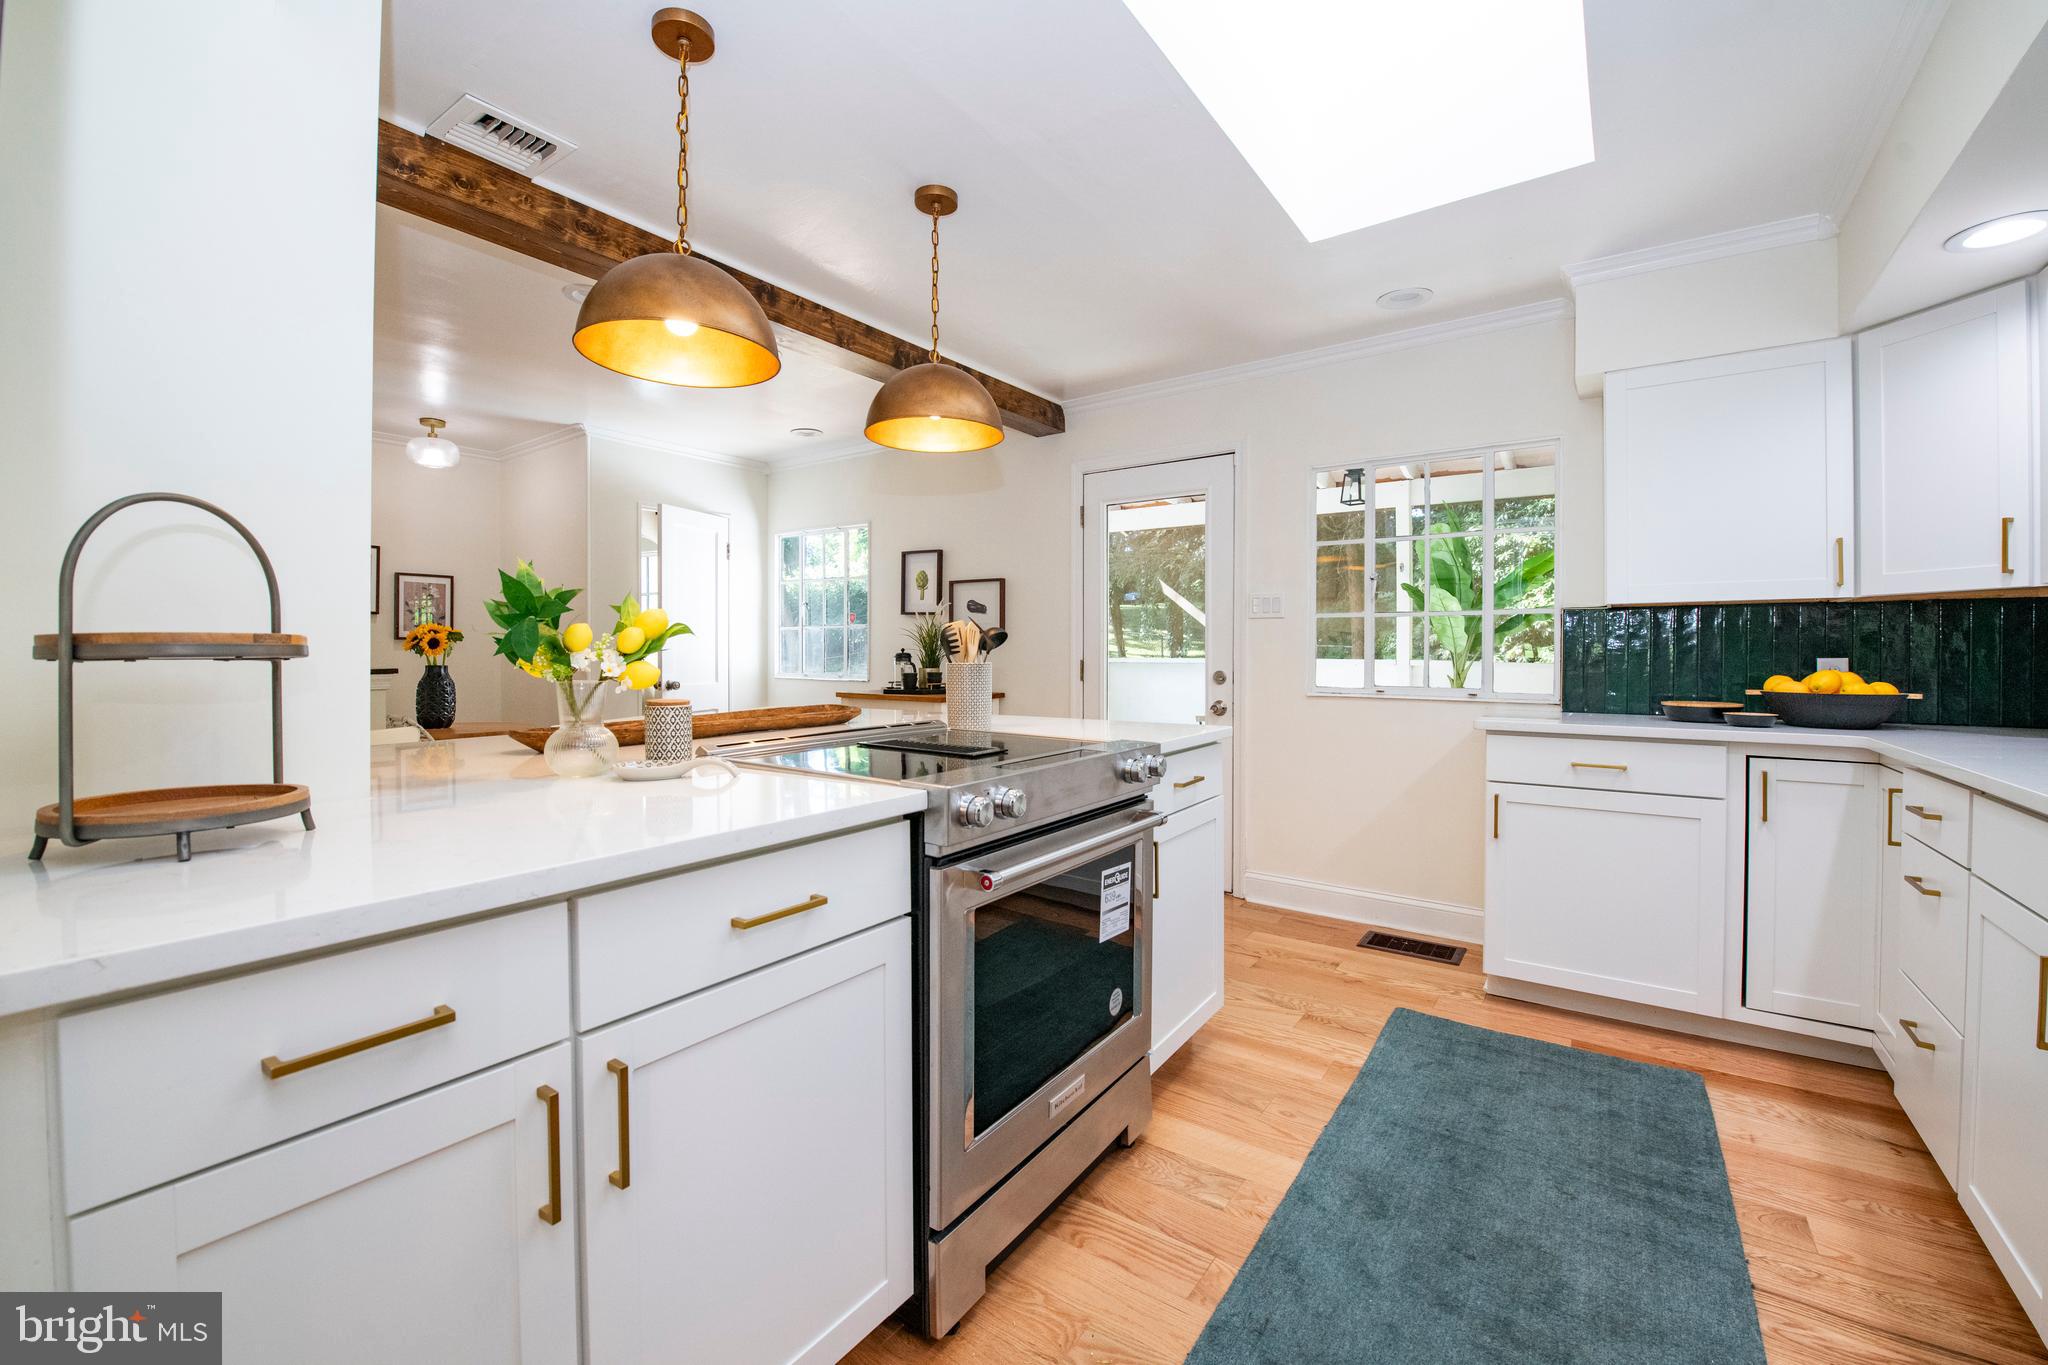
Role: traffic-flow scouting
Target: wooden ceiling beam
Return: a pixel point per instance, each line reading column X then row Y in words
column 457, row 189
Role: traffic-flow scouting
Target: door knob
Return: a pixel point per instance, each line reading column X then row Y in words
column 1219, row 677
column 1217, row 708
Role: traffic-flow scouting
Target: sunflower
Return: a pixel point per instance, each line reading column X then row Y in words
column 431, row 639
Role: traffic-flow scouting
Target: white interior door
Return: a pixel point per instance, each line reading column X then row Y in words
column 1159, row 592
column 696, row 565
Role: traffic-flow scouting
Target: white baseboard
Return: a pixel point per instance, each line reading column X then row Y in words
column 1437, row 919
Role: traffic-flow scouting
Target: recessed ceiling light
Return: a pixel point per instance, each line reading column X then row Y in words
column 2013, row 227
column 576, row 293
column 1412, row 297
column 807, row 432
column 1457, row 100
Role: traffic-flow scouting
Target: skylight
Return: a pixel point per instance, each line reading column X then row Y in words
column 1355, row 112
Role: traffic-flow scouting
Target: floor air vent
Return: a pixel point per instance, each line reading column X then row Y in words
column 490, row 132
column 1413, row 947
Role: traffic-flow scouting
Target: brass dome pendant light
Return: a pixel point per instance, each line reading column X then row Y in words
column 934, row 408
column 668, row 316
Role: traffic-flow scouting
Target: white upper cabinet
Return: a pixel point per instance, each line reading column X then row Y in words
column 1732, row 478
column 1946, row 501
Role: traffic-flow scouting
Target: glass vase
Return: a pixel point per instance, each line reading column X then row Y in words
column 581, row 746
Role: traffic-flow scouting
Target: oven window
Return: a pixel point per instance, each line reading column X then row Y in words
column 1047, row 985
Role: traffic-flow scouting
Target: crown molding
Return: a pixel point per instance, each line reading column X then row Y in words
column 1428, row 334
column 675, row 448
column 544, row 441
column 1810, row 227
column 853, row 450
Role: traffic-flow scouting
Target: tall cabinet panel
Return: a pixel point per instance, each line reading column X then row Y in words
column 1944, row 433
column 1732, row 478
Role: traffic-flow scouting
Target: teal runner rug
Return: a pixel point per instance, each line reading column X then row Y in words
column 1482, row 1199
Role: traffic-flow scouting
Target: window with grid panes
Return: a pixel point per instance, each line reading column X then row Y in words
column 1437, row 575
column 821, row 604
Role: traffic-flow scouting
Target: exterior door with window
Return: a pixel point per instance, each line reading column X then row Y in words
column 695, row 565
column 1159, row 593
column 1436, row 575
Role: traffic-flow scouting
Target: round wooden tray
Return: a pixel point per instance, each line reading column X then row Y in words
column 175, row 810
column 168, row 644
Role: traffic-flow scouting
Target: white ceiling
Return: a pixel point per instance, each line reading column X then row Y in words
column 478, row 335
column 1109, row 233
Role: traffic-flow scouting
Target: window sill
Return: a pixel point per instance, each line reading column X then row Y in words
column 819, row 678
column 1418, row 694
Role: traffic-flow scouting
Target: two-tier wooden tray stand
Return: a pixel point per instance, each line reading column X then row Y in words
column 169, row 810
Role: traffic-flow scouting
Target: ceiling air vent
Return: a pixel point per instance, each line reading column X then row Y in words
column 490, row 132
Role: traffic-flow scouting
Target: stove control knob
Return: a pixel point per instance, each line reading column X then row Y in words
column 1131, row 769
column 975, row 812
column 1155, row 766
column 1010, row 803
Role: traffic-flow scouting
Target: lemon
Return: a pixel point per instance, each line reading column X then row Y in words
column 576, row 638
column 654, row 621
column 1884, row 689
column 640, row 675
column 1778, row 682
column 1853, row 686
column 631, row 640
column 1826, row 682
column 1848, row 677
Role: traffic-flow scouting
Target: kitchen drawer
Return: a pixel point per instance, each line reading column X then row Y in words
column 658, row 940
column 1927, row 1076
column 1933, row 929
column 1619, row 765
column 1937, row 813
column 1191, row 775
column 2009, row 849
column 158, row 1088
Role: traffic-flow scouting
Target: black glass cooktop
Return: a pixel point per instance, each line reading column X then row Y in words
column 933, row 758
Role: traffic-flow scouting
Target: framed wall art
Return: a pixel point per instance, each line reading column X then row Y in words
column 980, row 600
column 421, row 597
column 924, row 581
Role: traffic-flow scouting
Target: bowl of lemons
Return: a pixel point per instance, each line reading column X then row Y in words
column 1832, row 699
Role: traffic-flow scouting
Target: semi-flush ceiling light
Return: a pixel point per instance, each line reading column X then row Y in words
column 934, row 407
column 1355, row 114
column 2013, row 227
column 668, row 316
column 433, row 450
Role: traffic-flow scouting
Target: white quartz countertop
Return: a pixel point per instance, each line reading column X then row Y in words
column 2011, row 765
column 1171, row 739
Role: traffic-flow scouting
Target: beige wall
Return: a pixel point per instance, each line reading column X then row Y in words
column 543, row 508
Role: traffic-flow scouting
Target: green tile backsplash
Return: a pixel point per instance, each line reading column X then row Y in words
column 1979, row 661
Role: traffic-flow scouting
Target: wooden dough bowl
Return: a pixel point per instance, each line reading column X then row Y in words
column 630, row 732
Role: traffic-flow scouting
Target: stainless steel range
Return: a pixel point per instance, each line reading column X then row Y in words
column 1035, row 973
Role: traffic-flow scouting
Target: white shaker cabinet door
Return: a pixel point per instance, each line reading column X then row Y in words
column 1816, row 848
column 2005, row 1092
column 1187, row 926
column 747, row 1163
column 1732, row 479
column 439, row 1230
column 1944, row 448
column 1616, row 894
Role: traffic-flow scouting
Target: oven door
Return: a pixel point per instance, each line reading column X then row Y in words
column 1041, row 959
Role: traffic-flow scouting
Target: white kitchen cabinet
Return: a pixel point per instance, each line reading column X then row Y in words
column 2005, row 1092
column 1732, row 478
column 1945, row 448
column 1618, row 894
column 1187, row 925
column 747, row 1163
column 1816, row 848
column 439, row 1228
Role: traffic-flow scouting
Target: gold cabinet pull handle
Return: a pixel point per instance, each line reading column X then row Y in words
column 2005, row 544
column 809, row 903
column 1911, row 1026
column 623, row 1176
column 1841, row 576
column 277, row 1069
column 1913, row 880
column 1496, row 815
column 1891, row 833
column 1924, row 813
column 2041, row 1011
column 1766, row 775
column 551, row 1212
column 1183, row 786
column 1607, row 767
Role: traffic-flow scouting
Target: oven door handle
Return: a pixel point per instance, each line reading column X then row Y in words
column 995, row 878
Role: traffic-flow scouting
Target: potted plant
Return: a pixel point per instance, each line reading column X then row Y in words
column 928, row 637
column 434, row 700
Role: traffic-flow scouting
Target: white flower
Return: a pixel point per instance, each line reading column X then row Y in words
column 583, row 658
column 614, row 662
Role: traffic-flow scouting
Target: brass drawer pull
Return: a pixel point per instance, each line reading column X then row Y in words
column 1766, row 776
column 1841, row 574
column 551, row 1212
column 275, row 1068
column 1914, row 881
column 1911, row 1026
column 811, row 903
column 1608, row 767
column 1496, row 815
column 1891, row 833
column 623, row 1176
column 2005, row 544
column 1183, row 786
column 1924, row 813
column 2041, row 1014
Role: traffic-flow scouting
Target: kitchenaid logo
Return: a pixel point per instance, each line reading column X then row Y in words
column 171, row 1329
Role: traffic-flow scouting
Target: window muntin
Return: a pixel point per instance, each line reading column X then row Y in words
column 821, row 604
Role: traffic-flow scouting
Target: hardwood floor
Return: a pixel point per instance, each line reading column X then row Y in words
column 1857, row 1247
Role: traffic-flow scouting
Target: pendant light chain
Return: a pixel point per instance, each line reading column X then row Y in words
column 935, row 288
column 683, row 147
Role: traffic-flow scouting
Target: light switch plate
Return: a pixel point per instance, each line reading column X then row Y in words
column 1839, row 665
column 1266, row 604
